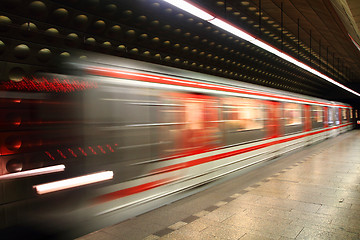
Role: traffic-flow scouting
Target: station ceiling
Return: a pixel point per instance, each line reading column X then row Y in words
column 33, row 34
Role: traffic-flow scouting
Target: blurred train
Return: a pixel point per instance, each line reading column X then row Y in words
column 119, row 137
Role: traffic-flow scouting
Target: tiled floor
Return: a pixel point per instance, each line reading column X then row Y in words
column 312, row 194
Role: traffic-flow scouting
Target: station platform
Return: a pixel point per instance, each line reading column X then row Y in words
column 311, row 194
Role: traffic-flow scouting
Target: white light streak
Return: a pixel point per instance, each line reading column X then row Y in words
column 34, row 172
column 190, row 8
column 73, row 182
column 198, row 12
column 231, row 29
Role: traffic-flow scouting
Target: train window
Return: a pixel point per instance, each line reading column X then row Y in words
column 334, row 116
column 331, row 118
column 293, row 117
column 244, row 119
column 292, row 113
column 351, row 113
column 344, row 115
column 243, row 114
column 337, row 118
column 317, row 116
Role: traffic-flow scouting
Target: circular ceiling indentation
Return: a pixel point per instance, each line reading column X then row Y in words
column 28, row 28
column 80, row 21
column 90, row 41
column 110, row 9
column 5, row 22
column 21, row 51
column 2, row 47
column 64, row 54
column 44, row 55
column 115, row 31
column 72, row 39
column 37, row 8
column 16, row 74
column 60, row 15
column 99, row 26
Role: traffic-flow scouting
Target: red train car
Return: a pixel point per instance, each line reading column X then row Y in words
column 121, row 137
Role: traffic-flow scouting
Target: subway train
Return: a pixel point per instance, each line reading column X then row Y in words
column 113, row 138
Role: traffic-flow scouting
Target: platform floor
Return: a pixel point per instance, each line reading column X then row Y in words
column 312, row 194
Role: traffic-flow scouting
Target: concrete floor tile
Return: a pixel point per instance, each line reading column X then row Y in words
column 285, row 238
column 201, row 214
column 177, row 225
column 336, row 211
column 198, row 225
column 254, row 236
column 349, row 224
column 306, row 207
column 247, row 198
column 236, row 195
column 274, row 202
column 312, row 233
column 219, row 215
column 221, row 203
column 176, row 235
column 271, row 228
column 279, row 229
column 280, row 214
column 163, row 232
column 99, row 235
column 133, row 229
column 133, row 234
column 242, row 221
column 152, row 237
column 235, row 208
column 224, row 232
column 269, row 193
column 355, row 207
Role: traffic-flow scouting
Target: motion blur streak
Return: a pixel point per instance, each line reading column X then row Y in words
column 34, row 172
column 122, row 137
column 73, row 182
column 133, row 190
column 109, row 72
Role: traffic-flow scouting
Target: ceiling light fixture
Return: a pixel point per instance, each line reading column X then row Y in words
column 212, row 19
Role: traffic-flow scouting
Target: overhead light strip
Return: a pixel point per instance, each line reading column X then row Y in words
column 210, row 18
column 356, row 45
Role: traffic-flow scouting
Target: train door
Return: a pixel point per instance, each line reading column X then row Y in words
column 340, row 116
column 195, row 125
column 307, row 120
column 200, row 129
column 326, row 117
column 274, row 119
column 337, row 116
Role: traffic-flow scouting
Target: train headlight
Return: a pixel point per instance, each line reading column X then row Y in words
column 14, row 165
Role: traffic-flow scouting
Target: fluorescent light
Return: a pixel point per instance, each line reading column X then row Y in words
column 356, row 45
column 34, row 172
column 198, row 12
column 190, row 8
column 73, row 182
column 231, row 29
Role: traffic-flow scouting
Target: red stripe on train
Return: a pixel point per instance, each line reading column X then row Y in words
column 132, row 190
column 199, row 161
column 114, row 73
column 151, row 185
